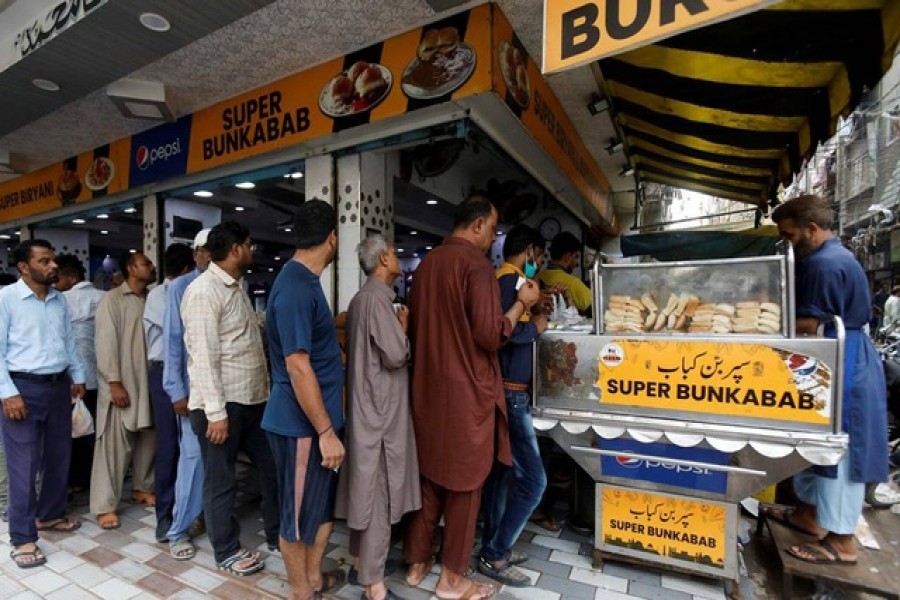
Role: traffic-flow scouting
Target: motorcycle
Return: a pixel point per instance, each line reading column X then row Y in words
column 890, row 361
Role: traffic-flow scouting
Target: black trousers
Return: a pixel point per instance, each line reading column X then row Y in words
column 220, row 478
column 83, row 449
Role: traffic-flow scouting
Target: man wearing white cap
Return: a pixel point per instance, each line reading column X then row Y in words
column 189, row 481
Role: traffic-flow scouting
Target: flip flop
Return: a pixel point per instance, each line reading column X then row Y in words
column 545, row 522
column 147, row 498
column 182, row 549
column 61, row 525
column 822, row 553
column 108, row 521
column 230, row 564
column 507, row 574
column 36, row 554
column 332, row 581
column 429, row 564
column 474, row 590
column 785, row 519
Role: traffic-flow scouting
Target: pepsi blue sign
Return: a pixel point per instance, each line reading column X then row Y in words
column 661, row 471
column 160, row 153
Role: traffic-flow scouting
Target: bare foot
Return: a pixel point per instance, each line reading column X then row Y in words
column 833, row 549
column 418, row 571
column 453, row 587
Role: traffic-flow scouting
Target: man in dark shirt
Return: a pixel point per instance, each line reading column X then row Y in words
column 506, row 510
column 830, row 282
column 304, row 418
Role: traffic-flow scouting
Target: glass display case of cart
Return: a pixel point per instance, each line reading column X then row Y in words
column 740, row 296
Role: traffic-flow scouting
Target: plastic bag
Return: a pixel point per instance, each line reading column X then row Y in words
column 82, row 421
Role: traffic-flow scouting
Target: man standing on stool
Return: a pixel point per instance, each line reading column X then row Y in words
column 831, row 282
column 40, row 372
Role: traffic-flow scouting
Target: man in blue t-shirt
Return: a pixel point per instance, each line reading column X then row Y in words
column 304, row 417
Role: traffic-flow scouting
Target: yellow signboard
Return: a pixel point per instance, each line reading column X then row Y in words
column 663, row 525
column 577, row 32
column 746, row 380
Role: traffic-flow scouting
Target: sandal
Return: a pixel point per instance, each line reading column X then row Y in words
column 820, row 553
column 332, row 581
column 108, row 521
column 507, row 574
column 233, row 566
column 782, row 516
column 517, row 558
column 545, row 521
column 147, row 498
column 429, row 564
column 182, row 549
column 61, row 525
column 475, row 591
column 28, row 559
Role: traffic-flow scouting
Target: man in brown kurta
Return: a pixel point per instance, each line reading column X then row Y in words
column 459, row 411
column 124, row 417
column 380, row 479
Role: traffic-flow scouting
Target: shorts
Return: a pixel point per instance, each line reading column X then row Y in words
column 306, row 489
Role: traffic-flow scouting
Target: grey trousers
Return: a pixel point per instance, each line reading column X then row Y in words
column 372, row 545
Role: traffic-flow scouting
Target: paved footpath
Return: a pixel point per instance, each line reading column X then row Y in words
column 127, row 564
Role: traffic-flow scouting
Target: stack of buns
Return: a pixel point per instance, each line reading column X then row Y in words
column 686, row 313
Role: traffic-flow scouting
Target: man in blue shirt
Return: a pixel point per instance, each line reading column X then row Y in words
column 830, row 282
column 304, row 417
column 189, row 478
column 40, row 371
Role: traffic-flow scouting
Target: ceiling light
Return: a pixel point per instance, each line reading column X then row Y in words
column 597, row 106
column 428, row 247
column 432, row 201
column 271, row 270
column 499, row 232
column 130, row 210
column 286, row 175
column 203, row 194
column 17, row 232
column 133, row 251
column 249, row 270
column 45, row 84
column 78, row 221
column 277, row 258
column 239, row 208
column 296, row 175
column 155, row 22
column 614, row 146
column 5, row 236
column 103, row 216
column 413, row 232
column 142, row 99
column 399, row 249
column 287, row 229
column 245, row 185
column 104, row 232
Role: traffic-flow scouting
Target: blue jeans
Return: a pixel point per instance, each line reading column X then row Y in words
column 511, row 495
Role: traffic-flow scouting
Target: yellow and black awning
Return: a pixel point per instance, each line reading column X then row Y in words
column 734, row 108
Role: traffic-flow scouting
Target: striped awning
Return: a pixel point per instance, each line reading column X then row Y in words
column 734, row 108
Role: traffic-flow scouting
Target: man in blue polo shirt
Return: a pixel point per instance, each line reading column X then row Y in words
column 40, row 371
column 304, row 417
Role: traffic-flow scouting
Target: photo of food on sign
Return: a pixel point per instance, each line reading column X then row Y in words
column 69, row 185
column 513, row 69
column 441, row 65
column 358, row 89
column 99, row 174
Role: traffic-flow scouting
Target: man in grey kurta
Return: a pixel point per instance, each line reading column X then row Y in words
column 380, row 479
column 124, row 424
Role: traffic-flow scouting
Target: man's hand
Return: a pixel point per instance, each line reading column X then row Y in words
column 14, row 408
column 119, row 394
column 403, row 317
column 181, row 408
column 78, row 390
column 332, row 450
column 561, row 288
column 217, row 431
column 528, row 294
column 540, row 322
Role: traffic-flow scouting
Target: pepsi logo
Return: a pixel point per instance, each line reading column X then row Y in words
column 628, row 462
column 142, row 158
column 145, row 157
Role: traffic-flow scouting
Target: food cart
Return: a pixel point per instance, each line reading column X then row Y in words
column 690, row 394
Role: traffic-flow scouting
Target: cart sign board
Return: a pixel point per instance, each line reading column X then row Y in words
column 577, row 32
column 729, row 379
column 664, row 526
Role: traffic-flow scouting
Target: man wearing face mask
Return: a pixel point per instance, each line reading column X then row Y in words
column 565, row 252
column 831, row 282
column 506, row 508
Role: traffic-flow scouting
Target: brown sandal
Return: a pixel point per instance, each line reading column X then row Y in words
column 108, row 521
column 147, row 498
column 429, row 564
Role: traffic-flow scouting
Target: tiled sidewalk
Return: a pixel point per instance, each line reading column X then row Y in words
column 127, row 564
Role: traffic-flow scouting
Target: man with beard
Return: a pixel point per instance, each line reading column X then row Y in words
column 565, row 253
column 457, row 326
column 229, row 387
column 304, row 419
column 381, row 480
column 831, row 282
column 125, row 435
column 40, row 371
